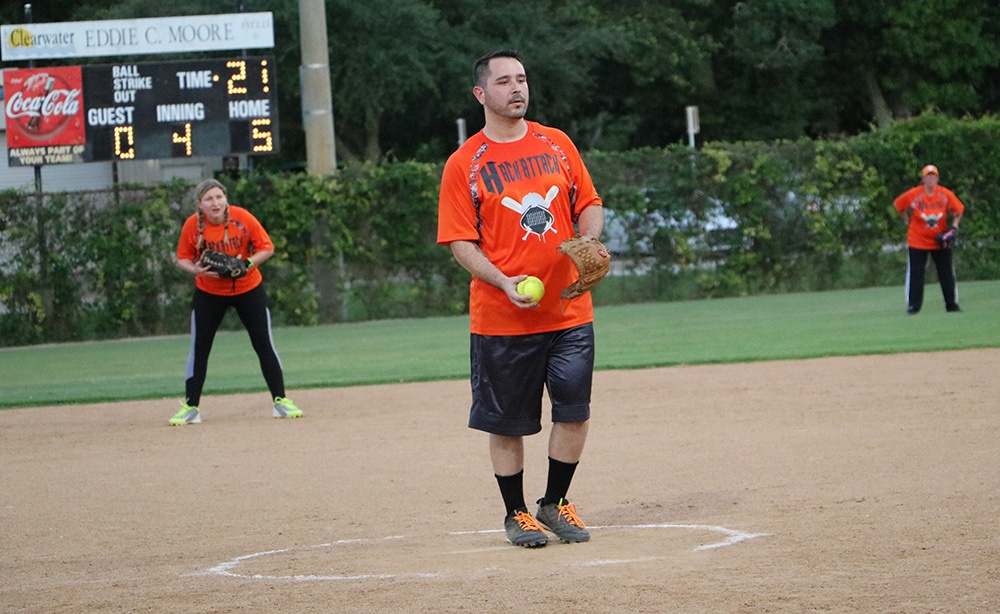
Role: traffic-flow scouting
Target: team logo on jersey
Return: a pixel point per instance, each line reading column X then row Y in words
column 534, row 210
column 932, row 219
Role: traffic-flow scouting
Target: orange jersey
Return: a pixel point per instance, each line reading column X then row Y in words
column 928, row 214
column 246, row 237
column 518, row 201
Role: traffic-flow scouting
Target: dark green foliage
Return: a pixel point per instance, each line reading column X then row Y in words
column 87, row 264
column 615, row 74
column 750, row 218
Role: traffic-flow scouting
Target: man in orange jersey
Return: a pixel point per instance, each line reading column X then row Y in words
column 509, row 196
column 220, row 226
column 926, row 209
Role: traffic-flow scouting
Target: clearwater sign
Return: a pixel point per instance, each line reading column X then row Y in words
column 37, row 41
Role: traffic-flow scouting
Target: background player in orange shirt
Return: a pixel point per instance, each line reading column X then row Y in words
column 232, row 230
column 509, row 195
column 926, row 209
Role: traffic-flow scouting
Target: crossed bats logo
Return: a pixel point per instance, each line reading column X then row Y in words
column 932, row 219
column 534, row 210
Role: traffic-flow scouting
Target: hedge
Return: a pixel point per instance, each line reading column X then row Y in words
column 726, row 219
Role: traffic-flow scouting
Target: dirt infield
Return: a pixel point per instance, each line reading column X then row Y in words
column 864, row 484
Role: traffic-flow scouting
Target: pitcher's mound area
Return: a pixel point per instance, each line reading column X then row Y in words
column 865, row 484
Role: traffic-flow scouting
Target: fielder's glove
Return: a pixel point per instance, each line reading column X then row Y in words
column 225, row 265
column 947, row 239
column 592, row 261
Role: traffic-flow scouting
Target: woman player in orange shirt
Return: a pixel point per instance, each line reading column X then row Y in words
column 226, row 228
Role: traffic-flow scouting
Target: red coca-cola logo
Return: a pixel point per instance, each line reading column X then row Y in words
column 45, row 105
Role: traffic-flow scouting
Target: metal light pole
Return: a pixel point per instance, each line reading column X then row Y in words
column 317, row 107
column 31, row 64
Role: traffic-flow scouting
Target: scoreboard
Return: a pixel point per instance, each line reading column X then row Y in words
column 136, row 111
column 180, row 109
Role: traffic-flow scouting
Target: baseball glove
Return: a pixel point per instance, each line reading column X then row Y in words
column 226, row 266
column 592, row 261
column 947, row 239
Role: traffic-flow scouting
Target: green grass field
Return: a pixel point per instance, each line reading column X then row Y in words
column 869, row 321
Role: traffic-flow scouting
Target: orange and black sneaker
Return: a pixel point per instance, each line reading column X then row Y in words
column 561, row 519
column 523, row 530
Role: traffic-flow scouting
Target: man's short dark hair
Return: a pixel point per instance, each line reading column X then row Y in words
column 482, row 67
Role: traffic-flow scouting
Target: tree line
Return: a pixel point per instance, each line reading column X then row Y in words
column 617, row 75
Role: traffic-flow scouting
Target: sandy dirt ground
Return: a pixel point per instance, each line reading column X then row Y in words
column 865, row 484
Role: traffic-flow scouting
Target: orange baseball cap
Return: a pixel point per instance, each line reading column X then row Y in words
column 930, row 168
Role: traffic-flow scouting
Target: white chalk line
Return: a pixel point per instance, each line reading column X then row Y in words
column 733, row 537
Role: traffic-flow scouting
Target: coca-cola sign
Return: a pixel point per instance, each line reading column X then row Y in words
column 44, row 107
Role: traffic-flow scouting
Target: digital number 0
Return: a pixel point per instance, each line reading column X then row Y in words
column 126, row 133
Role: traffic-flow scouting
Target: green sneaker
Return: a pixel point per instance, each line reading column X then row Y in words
column 523, row 530
column 561, row 519
column 186, row 415
column 284, row 408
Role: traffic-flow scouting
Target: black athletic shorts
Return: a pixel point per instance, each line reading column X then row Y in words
column 509, row 373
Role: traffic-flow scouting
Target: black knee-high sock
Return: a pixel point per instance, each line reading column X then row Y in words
column 560, row 476
column 512, row 491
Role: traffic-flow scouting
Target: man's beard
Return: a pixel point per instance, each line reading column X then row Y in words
column 511, row 112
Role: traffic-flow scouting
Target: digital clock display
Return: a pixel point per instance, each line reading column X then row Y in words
column 179, row 109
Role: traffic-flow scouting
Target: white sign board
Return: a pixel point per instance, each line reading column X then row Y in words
column 80, row 39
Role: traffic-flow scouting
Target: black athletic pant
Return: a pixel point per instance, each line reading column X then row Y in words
column 207, row 311
column 915, row 277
